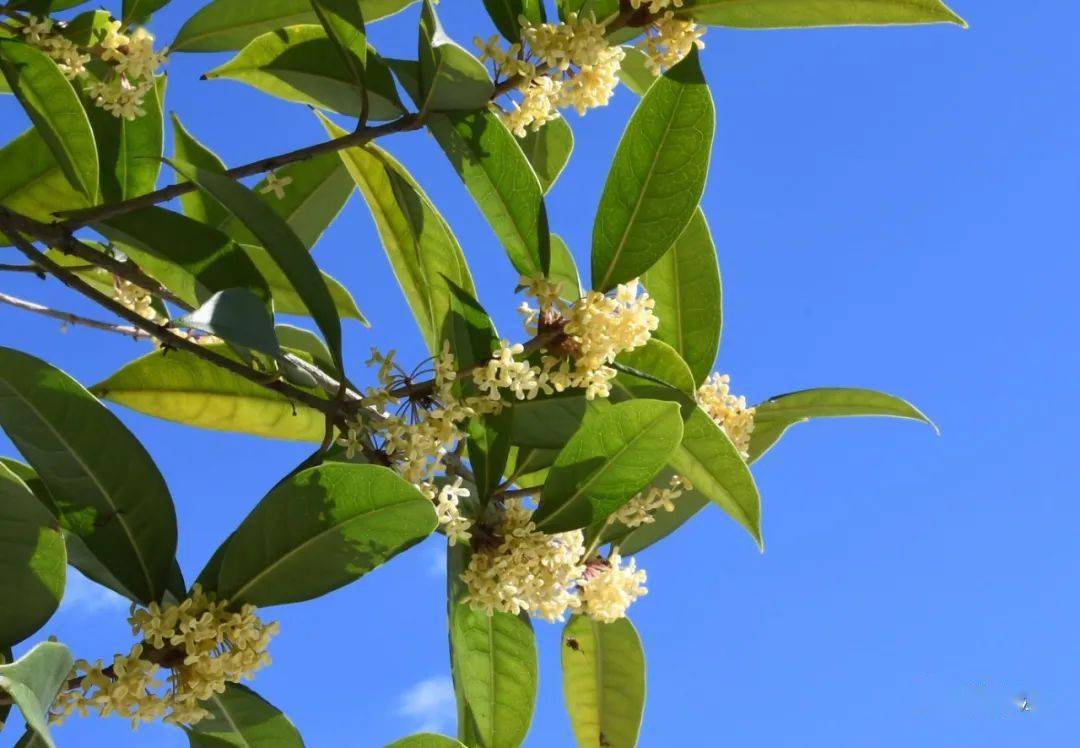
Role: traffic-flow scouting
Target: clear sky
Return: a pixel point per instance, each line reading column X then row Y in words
column 893, row 208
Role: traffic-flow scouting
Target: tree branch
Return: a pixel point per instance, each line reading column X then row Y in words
column 74, row 319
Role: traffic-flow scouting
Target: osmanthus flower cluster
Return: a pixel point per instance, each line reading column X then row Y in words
column 129, row 62
column 201, row 644
column 667, row 39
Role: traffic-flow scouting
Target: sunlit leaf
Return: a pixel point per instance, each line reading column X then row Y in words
column 287, row 298
column 33, row 681
column 196, row 204
column 130, row 150
column 240, row 718
column 32, row 183
column 426, row 740
column 564, row 270
column 238, row 316
column 548, row 150
column 114, row 499
column 343, row 23
column 451, row 79
column 778, row 14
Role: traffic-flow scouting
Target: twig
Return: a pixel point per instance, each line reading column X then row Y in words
column 23, row 269
column 74, row 319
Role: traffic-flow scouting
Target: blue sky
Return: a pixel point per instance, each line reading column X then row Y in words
column 893, row 208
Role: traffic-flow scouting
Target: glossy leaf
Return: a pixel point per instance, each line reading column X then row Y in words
column 32, row 183
column 178, row 386
column 548, row 150
column 611, row 457
column 319, row 530
column 659, row 362
column 779, row 14
column 419, row 244
column 776, row 415
column 130, row 150
column 603, row 673
column 33, row 681
column 191, row 259
column 240, row 718
column 32, row 560
column 53, row 106
column 489, row 447
column 315, row 192
column 426, row 740
column 287, row 298
column 195, row 204
column 299, row 63
column 451, row 79
column 685, row 284
column 495, row 662
column 281, row 244
column 230, row 24
column 493, row 167
column 657, row 177
column 114, row 499
column 238, row 316
column 468, row 329
column 564, row 270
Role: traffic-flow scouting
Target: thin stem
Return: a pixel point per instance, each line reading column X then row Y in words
column 521, row 493
column 74, row 319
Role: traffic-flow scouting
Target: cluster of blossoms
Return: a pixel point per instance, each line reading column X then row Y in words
column 131, row 63
column 640, row 509
column 609, row 588
column 667, row 39
column 202, row 643
column 730, row 413
column 597, row 328
column 558, row 65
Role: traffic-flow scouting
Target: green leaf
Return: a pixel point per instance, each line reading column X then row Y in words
column 422, row 250
column 240, row 718
column 114, row 499
column 344, row 26
column 659, row 362
column 451, row 79
column 238, row 316
column 426, row 740
column 178, row 386
column 230, row 24
column 779, row 14
column 32, row 183
column 611, row 457
column 139, row 11
column 564, row 270
column 495, row 662
column 195, row 204
column 32, row 560
column 287, row 298
column 489, row 448
column 301, row 339
column 548, row 150
column 281, row 244
column 299, row 63
column 191, row 259
column 468, row 329
column 685, row 284
column 494, row 169
column 776, row 415
column 33, row 681
column 317, row 190
column 321, row 529
column 603, row 669
column 600, row 9
column 54, row 108
column 634, row 70
column 31, row 739
column 130, row 150
column 657, row 177
column 547, row 422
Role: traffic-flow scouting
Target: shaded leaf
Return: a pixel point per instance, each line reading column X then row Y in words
column 451, row 79
column 498, row 176
column 548, row 150
column 114, row 499
column 230, row 24
column 468, row 329
column 33, row 681
column 564, row 270
column 53, row 106
column 238, row 316
column 778, row 14
column 287, row 299
column 130, row 150
column 776, row 415
column 344, row 26
column 489, row 447
column 139, row 11
column 603, row 669
column 32, row 560
column 281, row 244
column 612, row 456
column 685, row 284
column 321, row 529
column 419, row 244
column 178, row 386
column 299, row 63
column 495, row 662
column 240, row 718
column 657, row 177
column 196, row 204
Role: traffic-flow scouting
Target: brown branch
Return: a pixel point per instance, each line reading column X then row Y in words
column 74, row 319
column 358, row 137
column 4, row 267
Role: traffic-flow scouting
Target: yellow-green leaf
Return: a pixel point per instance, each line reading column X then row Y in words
column 780, row 14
